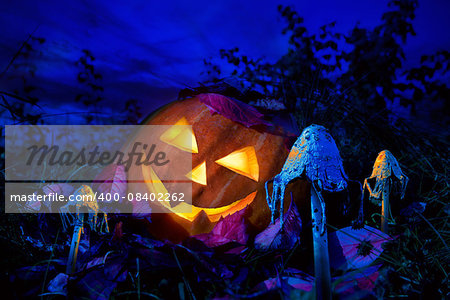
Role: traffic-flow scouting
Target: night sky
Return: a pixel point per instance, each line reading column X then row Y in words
column 149, row 50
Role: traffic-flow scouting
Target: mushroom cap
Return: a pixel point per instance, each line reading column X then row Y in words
column 386, row 167
column 316, row 156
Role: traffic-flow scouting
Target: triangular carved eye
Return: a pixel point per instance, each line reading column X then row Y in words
column 198, row 174
column 243, row 162
column 181, row 137
column 152, row 181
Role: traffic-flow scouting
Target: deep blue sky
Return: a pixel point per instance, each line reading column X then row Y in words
column 150, row 49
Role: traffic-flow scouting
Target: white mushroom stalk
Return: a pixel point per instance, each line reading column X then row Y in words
column 86, row 200
column 386, row 174
column 316, row 158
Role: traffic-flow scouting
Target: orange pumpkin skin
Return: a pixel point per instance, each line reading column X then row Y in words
column 217, row 137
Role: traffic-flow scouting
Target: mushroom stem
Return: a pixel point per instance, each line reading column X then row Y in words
column 385, row 209
column 320, row 242
column 72, row 260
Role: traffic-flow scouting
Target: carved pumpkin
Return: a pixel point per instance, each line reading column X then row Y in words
column 230, row 165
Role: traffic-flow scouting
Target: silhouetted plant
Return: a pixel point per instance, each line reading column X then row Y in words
column 20, row 103
column 310, row 77
column 341, row 89
column 425, row 81
column 133, row 112
column 90, row 80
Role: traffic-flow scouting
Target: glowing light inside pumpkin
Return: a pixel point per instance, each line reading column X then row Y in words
column 198, row 174
column 243, row 162
column 181, row 137
column 188, row 211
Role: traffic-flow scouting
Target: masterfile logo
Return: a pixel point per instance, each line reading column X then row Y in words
column 46, row 165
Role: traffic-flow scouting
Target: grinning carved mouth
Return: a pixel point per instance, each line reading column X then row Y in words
column 189, row 211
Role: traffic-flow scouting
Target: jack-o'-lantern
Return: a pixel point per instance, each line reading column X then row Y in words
column 230, row 165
